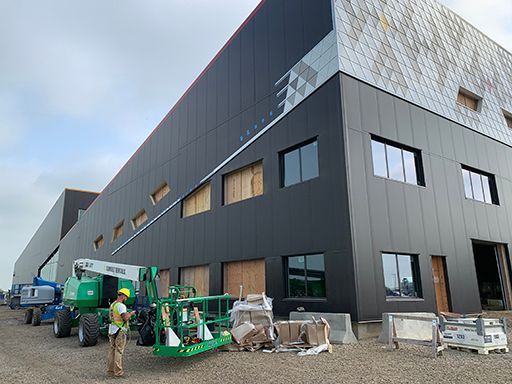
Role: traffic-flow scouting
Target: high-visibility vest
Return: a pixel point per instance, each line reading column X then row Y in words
column 115, row 317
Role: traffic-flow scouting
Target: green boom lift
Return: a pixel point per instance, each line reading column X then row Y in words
column 181, row 324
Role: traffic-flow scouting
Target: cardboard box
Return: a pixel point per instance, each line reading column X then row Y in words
column 255, row 299
column 317, row 333
column 243, row 332
column 289, row 331
column 262, row 317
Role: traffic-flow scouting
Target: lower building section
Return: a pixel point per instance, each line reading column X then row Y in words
column 430, row 205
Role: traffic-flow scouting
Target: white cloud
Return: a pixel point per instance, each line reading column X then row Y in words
column 492, row 17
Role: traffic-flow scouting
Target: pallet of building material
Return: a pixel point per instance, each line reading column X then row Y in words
column 475, row 334
column 480, row 351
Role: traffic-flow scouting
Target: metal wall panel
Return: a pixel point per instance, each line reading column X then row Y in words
column 433, row 220
column 234, row 100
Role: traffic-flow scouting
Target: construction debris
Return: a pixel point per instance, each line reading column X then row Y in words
column 253, row 322
column 308, row 337
column 253, row 328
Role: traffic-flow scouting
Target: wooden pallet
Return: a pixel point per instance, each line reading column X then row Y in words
column 479, row 350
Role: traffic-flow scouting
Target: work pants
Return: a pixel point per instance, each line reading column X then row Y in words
column 115, row 354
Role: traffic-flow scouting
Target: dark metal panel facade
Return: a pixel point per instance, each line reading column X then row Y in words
column 230, row 103
column 435, row 220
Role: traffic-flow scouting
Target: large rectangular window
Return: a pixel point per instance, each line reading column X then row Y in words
column 479, row 186
column 299, row 163
column 306, row 276
column 397, row 162
column 401, row 275
column 243, row 183
column 198, row 201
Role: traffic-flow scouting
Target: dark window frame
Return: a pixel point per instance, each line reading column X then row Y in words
column 418, row 160
column 289, row 150
column 287, row 277
column 416, row 275
column 492, row 185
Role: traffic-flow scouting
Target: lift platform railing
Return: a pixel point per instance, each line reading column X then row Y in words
column 187, row 325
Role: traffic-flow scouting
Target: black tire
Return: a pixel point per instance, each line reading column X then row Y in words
column 27, row 319
column 62, row 323
column 36, row 317
column 88, row 330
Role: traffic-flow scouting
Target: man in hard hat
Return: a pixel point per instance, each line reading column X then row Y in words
column 119, row 318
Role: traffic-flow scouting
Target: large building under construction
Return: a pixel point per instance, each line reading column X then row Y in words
column 342, row 156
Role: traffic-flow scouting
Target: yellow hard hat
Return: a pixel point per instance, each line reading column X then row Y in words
column 124, row 291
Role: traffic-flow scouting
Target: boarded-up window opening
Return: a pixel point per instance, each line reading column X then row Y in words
column 244, row 183
column 165, row 282
column 468, row 99
column 118, row 231
column 198, row 277
column 197, row 202
column 160, row 193
column 98, row 243
column 250, row 274
column 139, row 219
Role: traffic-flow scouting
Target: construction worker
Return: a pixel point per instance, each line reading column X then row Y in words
column 119, row 318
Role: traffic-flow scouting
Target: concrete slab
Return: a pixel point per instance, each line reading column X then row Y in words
column 413, row 329
column 341, row 326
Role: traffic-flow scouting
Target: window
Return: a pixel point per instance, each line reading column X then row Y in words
column 468, row 99
column 139, row 219
column 243, row 183
column 401, row 275
column 299, row 163
column 98, row 243
column 306, row 276
column 49, row 269
column 508, row 118
column 249, row 273
column 479, row 186
column 197, row 202
column 397, row 162
column 118, row 231
column 80, row 213
column 160, row 193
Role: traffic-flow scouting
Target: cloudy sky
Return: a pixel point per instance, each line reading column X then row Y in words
column 83, row 83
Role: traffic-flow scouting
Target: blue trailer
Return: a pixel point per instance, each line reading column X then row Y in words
column 42, row 300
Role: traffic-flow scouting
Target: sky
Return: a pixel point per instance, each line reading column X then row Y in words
column 83, row 83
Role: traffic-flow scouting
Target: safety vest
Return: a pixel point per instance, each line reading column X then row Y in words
column 115, row 317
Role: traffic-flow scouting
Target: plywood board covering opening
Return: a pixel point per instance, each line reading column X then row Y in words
column 160, row 193
column 198, row 202
column 249, row 273
column 244, row 183
column 118, row 231
column 165, row 282
column 139, row 219
column 198, row 277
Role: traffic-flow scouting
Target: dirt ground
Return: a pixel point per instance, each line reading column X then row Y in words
column 33, row 355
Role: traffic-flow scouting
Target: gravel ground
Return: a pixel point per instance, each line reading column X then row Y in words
column 32, row 355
